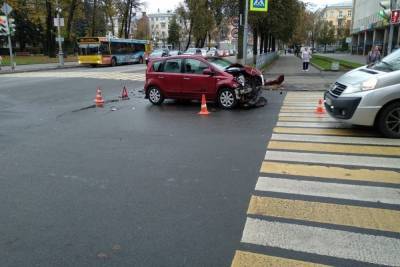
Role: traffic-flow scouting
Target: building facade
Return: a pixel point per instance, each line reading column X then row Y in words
column 159, row 25
column 340, row 15
column 369, row 29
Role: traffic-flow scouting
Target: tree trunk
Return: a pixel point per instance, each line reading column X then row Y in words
column 266, row 42
column 72, row 8
column 190, row 36
column 70, row 18
column 273, row 44
column 94, row 18
column 125, row 19
column 255, row 45
column 50, row 42
column 112, row 24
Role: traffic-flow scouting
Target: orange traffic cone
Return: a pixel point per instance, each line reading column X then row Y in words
column 204, row 110
column 320, row 108
column 125, row 95
column 99, row 98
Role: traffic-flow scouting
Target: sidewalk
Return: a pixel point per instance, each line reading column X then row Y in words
column 298, row 80
column 37, row 67
column 348, row 57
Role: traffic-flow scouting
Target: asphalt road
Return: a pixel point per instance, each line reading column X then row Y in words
column 138, row 186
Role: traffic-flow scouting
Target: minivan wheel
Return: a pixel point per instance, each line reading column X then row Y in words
column 389, row 121
column 155, row 96
column 227, row 98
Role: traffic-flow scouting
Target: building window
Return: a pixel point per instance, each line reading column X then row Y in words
column 349, row 13
column 162, row 25
column 340, row 13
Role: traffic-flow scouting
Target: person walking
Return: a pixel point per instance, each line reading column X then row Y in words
column 306, row 56
column 374, row 56
column 1, row 61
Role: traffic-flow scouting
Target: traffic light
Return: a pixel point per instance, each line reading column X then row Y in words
column 3, row 25
column 386, row 11
column 11, row 25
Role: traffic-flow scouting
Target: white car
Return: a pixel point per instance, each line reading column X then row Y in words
column 369, row 96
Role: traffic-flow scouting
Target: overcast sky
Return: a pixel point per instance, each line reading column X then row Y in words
column 153, row 5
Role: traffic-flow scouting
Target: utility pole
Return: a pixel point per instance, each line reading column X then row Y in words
column 10, row 47
column 246, row 31
column 7, row 10
column 60, row 49
column 393, row 6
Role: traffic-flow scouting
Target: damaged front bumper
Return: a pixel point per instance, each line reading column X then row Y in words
column 249, row 96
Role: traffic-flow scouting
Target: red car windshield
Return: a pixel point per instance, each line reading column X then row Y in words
column 219, row 63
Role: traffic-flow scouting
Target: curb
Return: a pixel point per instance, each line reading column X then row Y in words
column 40, row 69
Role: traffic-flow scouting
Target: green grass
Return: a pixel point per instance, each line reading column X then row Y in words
column 27, row 60
column 324, row 63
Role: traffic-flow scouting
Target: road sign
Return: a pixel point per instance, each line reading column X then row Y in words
column 6, row 9
column 395, row 18
column 61, row 22
column 3, row 26
column 61, row 39
column 235, row 33
column 235, row 21
column 259, row 5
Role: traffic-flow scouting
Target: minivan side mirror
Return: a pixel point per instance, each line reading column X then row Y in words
column 208, row 72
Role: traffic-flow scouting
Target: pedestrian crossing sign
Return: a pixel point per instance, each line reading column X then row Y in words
column 259, row 5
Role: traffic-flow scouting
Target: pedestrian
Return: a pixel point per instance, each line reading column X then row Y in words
column 1, row 61
column 374, row 56
column 306, row 56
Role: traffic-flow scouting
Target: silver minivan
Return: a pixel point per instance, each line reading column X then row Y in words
column 369, row 96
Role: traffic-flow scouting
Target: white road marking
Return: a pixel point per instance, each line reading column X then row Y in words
column 378, row 162
column 297, row 107
column 82, row 74
column 335, row 243
column 302, row 114
column 332, row 190
column 312, row 124
column 337, row 139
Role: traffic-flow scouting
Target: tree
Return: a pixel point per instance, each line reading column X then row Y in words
column 326, row 34
column 174, row 32
column 143, row 28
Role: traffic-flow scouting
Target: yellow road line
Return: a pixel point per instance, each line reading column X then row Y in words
column 379, row 176
column 335, row 148
column 249, row 259
column 319, row 131
column 362, row 217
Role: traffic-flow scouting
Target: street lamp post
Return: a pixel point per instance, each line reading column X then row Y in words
column 60, row 49
column 393, row 6
column 246, row 31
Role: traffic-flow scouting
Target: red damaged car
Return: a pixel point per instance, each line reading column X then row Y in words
column 190, row 76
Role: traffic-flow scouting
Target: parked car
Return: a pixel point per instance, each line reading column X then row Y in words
column 212, row 52
column 175, row 53
column 158, row 53
column 369, row 96
column 196, row 51
column 190, row 76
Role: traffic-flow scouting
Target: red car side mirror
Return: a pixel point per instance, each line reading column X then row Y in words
column 208, row 72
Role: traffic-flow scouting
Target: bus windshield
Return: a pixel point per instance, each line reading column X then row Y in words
column 89, row 49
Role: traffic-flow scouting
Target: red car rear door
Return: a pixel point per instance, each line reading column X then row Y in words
column 171, row 76
column 194, row 82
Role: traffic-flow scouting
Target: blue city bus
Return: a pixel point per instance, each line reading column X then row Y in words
column 111, row 51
